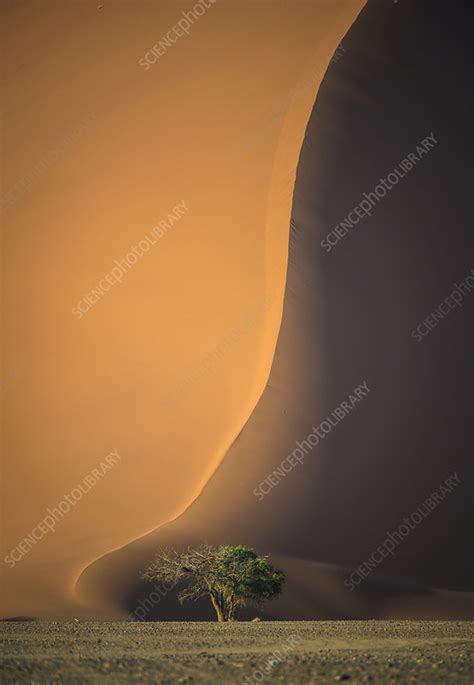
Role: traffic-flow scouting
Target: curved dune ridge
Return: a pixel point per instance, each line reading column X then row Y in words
column 196, row 156
column 345, row 344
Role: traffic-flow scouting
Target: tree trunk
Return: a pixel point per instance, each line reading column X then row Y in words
column 230, row 609
column 218, row 608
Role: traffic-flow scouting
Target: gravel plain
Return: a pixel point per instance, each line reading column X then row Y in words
column 290, row 652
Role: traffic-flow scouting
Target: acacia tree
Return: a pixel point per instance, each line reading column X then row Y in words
column 230, row 576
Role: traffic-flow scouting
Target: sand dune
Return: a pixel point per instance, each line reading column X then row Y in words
column 347, row 320
column 165, row 363
column 223, row 340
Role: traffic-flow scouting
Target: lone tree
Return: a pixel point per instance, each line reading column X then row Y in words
column 230, row 576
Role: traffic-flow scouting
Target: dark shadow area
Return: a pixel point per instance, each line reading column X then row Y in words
column 407, row 72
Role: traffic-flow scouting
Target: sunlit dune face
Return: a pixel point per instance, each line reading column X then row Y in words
column 157, row 358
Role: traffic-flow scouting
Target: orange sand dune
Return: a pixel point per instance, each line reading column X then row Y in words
column 196, row 156
column 346, row 322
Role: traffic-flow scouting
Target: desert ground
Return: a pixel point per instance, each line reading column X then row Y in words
column 289, row 652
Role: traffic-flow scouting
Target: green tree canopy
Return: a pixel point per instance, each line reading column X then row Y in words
column 230, row 576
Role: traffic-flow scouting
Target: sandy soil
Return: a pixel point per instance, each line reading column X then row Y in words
column 302, row 652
